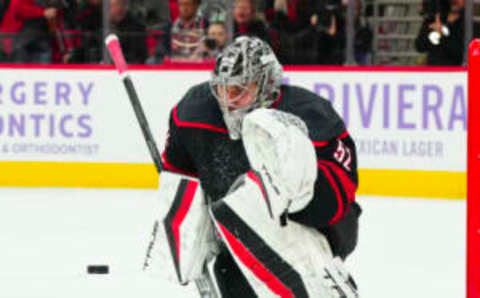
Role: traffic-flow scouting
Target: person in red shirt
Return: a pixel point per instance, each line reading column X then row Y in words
column 27, row 20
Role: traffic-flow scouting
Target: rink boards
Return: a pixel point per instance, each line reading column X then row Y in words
column 74, row 127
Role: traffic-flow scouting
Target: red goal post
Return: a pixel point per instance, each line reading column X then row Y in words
column 473, row 172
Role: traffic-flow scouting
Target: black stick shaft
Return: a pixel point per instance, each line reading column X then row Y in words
column 142, row 120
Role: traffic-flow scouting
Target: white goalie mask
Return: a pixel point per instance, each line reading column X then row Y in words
column 247, row 60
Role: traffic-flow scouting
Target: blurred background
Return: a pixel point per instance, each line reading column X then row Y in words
column 155, row 32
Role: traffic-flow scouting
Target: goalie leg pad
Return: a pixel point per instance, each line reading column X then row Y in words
column 183, row 235
column 228, row 279
column 278, row 261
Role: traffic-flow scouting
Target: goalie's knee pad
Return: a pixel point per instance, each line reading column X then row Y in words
column 182, row 237
column 278, row 261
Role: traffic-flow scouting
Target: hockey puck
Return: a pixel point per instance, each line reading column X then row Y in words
column 98, row 269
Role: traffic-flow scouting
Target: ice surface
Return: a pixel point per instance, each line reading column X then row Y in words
column 408, row 247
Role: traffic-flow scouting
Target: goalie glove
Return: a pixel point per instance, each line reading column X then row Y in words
column 279, row 150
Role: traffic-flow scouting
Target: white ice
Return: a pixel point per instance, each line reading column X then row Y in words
column 408, row 247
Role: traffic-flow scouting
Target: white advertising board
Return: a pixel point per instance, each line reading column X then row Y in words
column 401, row 120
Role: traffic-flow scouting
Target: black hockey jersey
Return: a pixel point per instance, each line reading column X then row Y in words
column 199, row 145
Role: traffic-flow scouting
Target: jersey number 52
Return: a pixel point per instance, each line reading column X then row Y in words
column 343, row 155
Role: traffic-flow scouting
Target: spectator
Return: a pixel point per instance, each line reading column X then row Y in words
column 285, row 15
column 246, row 22
column 64, row 28
column 322, row 42
column 218, row 32
column 313, row 29
column 29, row 20
column 363, row 36
column 215, row 41
column 89, row 16
column 188, row 30
column 131, row 32
column 89, row 22
column 294, row 16
column 185, row 36
column 155, row 13
column 213, row 10
column 442, row 34
column 284, row 23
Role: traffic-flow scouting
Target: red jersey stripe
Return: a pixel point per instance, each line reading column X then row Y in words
column 170, row 167
column 348, row 185
column 340, row 207
column 182, row 212
column 206, row 126
column 343, row 135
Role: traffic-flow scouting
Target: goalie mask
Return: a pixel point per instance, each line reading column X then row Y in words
column 247, row 76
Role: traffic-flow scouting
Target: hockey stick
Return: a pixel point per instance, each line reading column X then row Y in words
column 115, row 50
column 204, row 284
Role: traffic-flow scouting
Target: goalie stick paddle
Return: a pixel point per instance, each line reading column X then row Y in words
column 115, row 50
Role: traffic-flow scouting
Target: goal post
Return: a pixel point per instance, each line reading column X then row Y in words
column 473, row 171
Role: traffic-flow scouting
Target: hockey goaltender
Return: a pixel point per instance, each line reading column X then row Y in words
column 265, row 203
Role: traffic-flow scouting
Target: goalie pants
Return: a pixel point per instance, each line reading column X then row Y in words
column 342, row 238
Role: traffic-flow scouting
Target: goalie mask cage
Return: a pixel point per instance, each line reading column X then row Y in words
column 473, row 172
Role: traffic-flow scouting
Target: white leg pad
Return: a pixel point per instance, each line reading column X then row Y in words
column 182, row 237
column 278, row 261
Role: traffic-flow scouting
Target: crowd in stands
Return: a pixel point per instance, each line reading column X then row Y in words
column 442, row 32
column 176, row 31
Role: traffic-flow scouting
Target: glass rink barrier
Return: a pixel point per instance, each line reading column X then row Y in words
column 306, row 32
column 79, row 189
